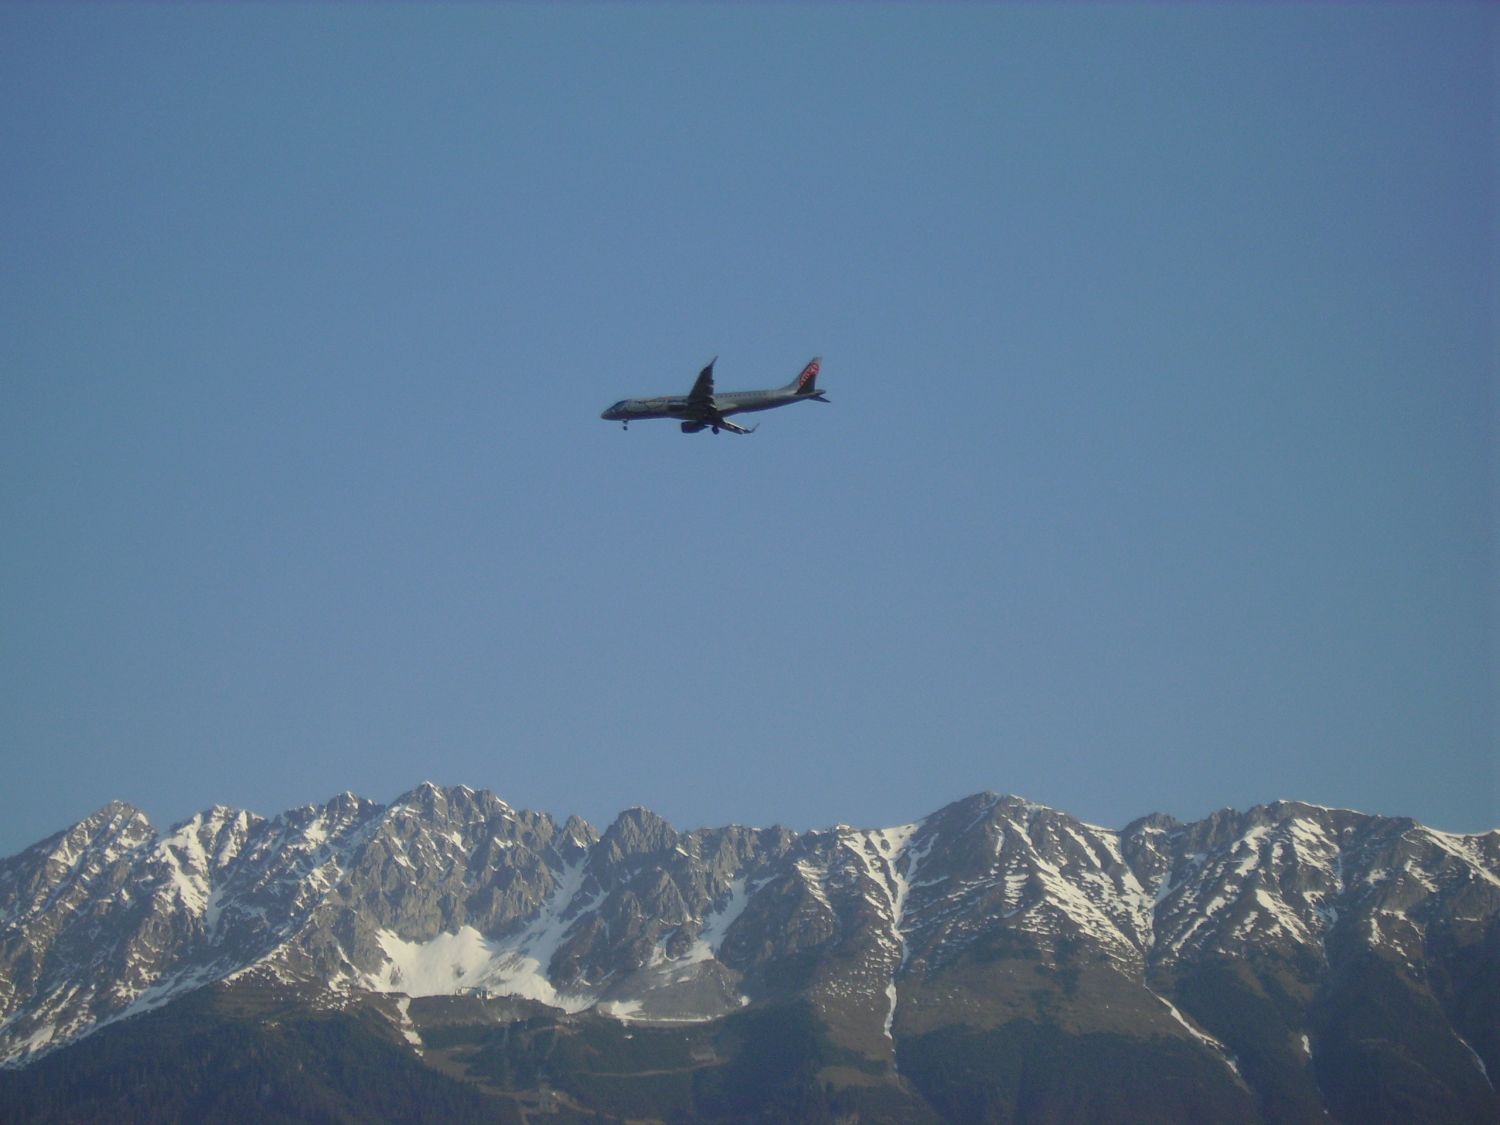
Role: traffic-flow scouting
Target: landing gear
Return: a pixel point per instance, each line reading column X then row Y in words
column 624, row 425
column 716, row 429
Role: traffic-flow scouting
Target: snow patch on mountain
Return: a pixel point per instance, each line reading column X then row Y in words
column 1202, row 1036
column 890, row 863
column 516, row 966
column 1465, row 849
column 441, row 966
column 716, row 926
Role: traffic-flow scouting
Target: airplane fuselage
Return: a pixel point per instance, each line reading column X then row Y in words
column 676, row 406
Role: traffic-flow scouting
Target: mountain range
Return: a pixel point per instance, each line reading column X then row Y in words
column 448, row 956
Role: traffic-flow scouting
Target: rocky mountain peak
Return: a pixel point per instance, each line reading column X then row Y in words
column 636, row 832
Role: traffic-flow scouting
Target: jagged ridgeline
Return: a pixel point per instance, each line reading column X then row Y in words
column 449, row 957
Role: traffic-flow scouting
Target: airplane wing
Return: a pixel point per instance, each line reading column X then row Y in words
column 701, row 397
column 701, row 410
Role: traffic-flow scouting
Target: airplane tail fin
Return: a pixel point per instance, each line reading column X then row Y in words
column 807, row 382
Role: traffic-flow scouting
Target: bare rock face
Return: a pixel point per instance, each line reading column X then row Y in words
column 1285, row 948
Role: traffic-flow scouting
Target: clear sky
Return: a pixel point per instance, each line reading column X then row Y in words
column 1160, row 471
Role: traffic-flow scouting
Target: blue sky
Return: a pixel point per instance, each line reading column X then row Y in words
column 1160, row 471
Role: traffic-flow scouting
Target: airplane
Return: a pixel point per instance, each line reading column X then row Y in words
column 702, row 409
